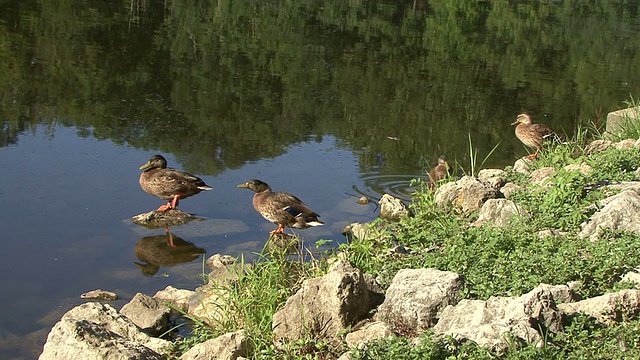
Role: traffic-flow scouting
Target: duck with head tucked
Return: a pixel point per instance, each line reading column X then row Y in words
column 280, row 208
column 532, row 135
column 167, row 183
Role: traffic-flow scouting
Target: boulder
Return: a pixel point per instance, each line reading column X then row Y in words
column 96, row 331
column 597, row 146
column 323, row 306
column 210, row 305
column 163, row 219
column 392, row 208
column 509, row 189
column 224, row 269
column 495, row 177
column 467, row 194
column 523, row 166
column 176, row 297
column 416, row 297
column 148, row 314
column 527, row 317
column 499, row 212
column 231, row 346
column 619, row 212
column 99, row 295
column 607, row 308
column 542, row 176
column 619, row 120
column 369, row 332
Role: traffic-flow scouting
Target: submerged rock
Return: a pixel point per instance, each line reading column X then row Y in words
column 99, row 295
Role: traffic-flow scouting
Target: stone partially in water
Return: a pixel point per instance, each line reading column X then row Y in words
column 162, row 219
column 99, row 295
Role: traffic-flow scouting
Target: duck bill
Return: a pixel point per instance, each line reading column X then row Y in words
column 242, row 186
column 514, row 123
column 146, row 166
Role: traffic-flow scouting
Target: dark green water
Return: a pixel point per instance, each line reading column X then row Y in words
column 325, row 99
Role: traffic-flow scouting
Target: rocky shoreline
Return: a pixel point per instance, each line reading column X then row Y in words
column 348, row 306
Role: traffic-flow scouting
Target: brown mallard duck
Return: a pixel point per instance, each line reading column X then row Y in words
column 167, row 183
column 439, row 172
column 532, row 135
column 280, row 208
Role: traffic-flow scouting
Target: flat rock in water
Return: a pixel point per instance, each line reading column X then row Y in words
column 160, row 219
column 99, row 295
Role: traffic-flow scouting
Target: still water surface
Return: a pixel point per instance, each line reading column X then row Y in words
column 328, row 100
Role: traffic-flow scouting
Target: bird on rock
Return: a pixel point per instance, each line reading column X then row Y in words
column 167, row 183
column 280, row 208
column 532, row 135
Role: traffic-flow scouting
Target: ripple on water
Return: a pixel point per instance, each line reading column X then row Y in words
column 376, row 185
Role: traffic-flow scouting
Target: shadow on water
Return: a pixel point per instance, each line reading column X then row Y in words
column 165, row 250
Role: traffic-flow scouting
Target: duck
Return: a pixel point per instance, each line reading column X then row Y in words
column 439, row 172
column 532, row 135
column 169, row 184
column 280, row 208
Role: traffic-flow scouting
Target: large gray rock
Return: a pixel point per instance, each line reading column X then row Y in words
column 416, row 297
column 542, row 176
column 608, row 307
column 499, row 212
column 324, row 306
column 96, row 331
column 486, row 322
column 210, row 305
column 148, row 314
column 467, row 194
column 619, row 212
column 229, row 346
column 495, row 177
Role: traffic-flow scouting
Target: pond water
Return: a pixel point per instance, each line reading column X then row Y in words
column 329, row 100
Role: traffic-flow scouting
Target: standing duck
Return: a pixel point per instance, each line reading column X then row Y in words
column 280, row 208
column 439, row 172
column 167, row 183
column 532, row 135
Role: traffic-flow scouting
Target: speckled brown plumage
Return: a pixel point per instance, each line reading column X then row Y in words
column 532, row 135
column 439, row 172
column 281, row 208
column 167, row 183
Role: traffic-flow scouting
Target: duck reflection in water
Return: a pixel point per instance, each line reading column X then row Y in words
column 164, row 250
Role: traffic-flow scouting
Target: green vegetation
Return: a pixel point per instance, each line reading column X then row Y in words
column 493, row 261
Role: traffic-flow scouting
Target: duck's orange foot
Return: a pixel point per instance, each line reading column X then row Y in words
column 279, row 230
column 165, row 207
column 531, row 156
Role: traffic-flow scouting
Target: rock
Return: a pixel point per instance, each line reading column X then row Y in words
column 391, row 208
column 323, row 306
column 99, row 295
column 416, row 297
column 96, row 331
column 619, row 120
column 178, row 298
column 495, row 177
column 509, row 189
column 209, row 305
column 499, row 212
column 224, row 269
column 626, row 185
column 619, row 212
column 607, row 308
column 231, row 346
column 487, row 322
column 163, row 219
column 560, row 293
column 357, row 230
column 376, row 292
column 363, row 200
column 632, row 276
column 467, row 194
column 369, row 332
column 625, row 144
column 597, row 146
column 585, row 169
column 542, row 176
column 523, row 166
column 148, row 314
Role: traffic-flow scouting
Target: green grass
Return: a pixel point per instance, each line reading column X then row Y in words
column 493, row 261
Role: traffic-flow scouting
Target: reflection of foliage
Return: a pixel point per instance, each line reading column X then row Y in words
column 219, row 84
